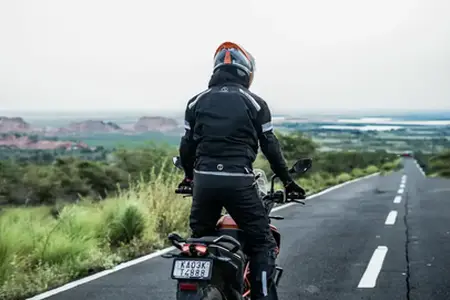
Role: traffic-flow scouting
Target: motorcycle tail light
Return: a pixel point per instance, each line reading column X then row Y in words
column 201, row 250
column 184, row 286
column 186, row 249
column 191, row 249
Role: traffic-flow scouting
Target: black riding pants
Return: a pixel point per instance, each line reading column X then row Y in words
column 239, row 196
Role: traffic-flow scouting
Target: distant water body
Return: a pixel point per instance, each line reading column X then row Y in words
column 383, row 124
column 389, row 121
column 362, row 128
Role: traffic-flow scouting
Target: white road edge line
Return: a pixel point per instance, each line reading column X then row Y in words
column 369, row 278
column 421, row 171
column 392, row 216
column 420, row 168
column 87, row 279
column 400, row 191
column 398, row 199
column 139, row 260
column 325, row 191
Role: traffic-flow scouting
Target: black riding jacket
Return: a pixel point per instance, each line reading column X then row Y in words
column 223, row 126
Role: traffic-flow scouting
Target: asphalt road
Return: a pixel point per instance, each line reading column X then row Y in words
column 366, row 240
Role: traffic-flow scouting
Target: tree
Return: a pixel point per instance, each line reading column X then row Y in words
column 296, row 145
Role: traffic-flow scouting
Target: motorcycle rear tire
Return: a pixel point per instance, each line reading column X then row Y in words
column 207, row 293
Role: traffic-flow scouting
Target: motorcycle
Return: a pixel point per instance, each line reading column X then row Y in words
column 216, row 267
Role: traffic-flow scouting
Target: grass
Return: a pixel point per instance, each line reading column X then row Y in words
column 39, row 251
column 390, row 167
column 45, row 247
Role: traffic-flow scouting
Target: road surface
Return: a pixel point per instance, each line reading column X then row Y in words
column 382, row 238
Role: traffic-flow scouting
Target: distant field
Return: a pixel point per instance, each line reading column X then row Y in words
column 423, row 138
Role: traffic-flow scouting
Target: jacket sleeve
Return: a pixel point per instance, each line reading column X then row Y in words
column 188, row 145
column 269, row 144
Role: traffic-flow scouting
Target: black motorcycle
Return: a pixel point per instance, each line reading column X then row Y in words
column 215, row 267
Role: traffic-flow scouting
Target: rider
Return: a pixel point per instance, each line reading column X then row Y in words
column 223, row 125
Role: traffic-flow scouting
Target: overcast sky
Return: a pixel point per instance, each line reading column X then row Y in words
column 141, row 54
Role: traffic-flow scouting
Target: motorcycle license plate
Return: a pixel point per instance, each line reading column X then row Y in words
column 191, row 268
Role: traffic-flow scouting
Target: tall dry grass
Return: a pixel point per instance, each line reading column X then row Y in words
column 39, row 251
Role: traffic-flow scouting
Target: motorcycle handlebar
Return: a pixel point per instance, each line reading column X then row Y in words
column 184, row 190
column 278, row 197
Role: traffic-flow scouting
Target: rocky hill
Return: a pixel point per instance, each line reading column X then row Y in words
column 32, row 142
column 155, row 124
column 89, row 126
column 17, row 133
column 143, row 124
column 14, row 125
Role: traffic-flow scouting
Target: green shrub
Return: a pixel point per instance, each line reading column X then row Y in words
column 371, row 169
column 357, row 172
column 343, row 177
column 391, row 166
column 126, row 224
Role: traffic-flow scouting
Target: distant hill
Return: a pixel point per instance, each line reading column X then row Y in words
column 15, row 132
column 14, row 125
column 143, row 124
column 89, row 126
column 161, row 124
column 18, row 141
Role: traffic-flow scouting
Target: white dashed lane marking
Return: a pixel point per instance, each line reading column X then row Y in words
column 369, row 278
column 391, row 218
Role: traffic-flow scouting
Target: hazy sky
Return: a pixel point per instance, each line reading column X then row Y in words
column 141, row 54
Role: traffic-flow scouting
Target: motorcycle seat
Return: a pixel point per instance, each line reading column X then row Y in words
column 228, row 242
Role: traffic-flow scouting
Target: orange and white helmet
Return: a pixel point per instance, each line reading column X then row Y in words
column 232, row 54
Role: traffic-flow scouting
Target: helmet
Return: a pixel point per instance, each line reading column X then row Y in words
column 231, row 54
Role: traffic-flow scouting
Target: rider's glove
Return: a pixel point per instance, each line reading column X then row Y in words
column 186, row 184
column 292, row 188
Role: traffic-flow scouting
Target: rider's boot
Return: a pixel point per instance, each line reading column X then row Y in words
column 262, row 276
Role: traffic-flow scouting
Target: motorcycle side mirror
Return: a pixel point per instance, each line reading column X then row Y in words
column 301, row 166
column 177, row 162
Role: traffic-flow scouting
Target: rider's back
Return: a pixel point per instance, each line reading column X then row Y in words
column 225, row 117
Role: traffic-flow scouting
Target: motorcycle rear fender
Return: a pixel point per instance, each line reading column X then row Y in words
column 238, row 234
column 231, row 271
